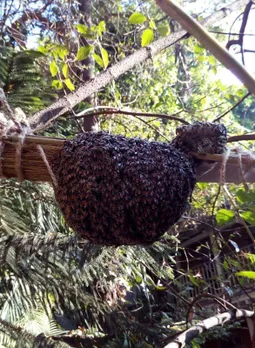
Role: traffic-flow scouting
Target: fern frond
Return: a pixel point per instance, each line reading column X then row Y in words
column 22, row 79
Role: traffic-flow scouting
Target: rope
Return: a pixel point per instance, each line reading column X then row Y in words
column 10, row 125
column 224, row 166
column 44, row 158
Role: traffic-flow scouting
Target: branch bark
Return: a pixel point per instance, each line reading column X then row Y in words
column 42, row 119
column 85, row 7
column 194, row 28
column 207, row 324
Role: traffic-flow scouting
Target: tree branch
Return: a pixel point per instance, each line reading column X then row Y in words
column 207, row 324
column 43, row 118
column 110, row 111
column 244, row 137
column 195, row 29
column 239, row 41
column 232, row 107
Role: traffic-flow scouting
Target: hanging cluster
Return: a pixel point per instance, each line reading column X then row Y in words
column 114, row 190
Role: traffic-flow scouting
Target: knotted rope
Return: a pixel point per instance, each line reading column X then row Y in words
column 11, row 125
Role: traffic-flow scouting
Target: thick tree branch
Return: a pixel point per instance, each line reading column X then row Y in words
column 197, row 30
column 244, row 137
column 207, row 324
column 41, row 119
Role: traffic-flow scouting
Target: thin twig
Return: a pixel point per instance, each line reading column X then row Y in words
column 111, row 111
column 229, row 33
column 152, row 127
column 232, row 107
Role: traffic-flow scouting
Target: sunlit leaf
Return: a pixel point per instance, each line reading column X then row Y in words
column 249, row 217
column 147, row 37
column 137, row 18
column 57, row 84
column 250, row 257
column 105, row 57
column 246, row 274
column 61, row 51
column 65, row 70
column 69, row 84
column 224, row 216
column 83, row 52
column 152, row 24
column 198, row 49
column 42, row 49
column 101, row 27
column 82, row 29
column 53, row 68
column 99, row 60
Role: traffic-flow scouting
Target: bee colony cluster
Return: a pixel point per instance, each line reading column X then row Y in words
column 114, row 190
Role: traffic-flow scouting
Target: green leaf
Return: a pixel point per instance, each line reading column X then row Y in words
column 224, row 216
column 99, row 60
column 247, row 274
column 62, row 51
column 160, row 287
column 147, row 37
column 65, row 70
column 101, row 27
column 69, row 84
column 82, row 29
column 250, row 257
column 57, row 84
column 199, row 49
column 249, row 217
column 225, row 265
column 195, row 344
column 152, row 24
column 202, row 185
column 84, row 52
column 244, row 197
column 105, row 57
column 43, row 49
column 137, row 18
column 212, row 60
column 53, row 68
column 193, row 280
column 163, row 30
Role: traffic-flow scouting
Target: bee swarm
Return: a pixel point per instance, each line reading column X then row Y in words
column 114, row 190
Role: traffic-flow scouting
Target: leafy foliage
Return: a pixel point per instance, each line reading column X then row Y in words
column 22, row 81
